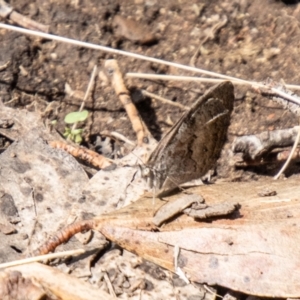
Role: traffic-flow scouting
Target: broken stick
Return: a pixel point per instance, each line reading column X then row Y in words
column 113, row 71
column 254, row 146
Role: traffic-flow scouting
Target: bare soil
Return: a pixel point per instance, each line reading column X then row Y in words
column 252, row 41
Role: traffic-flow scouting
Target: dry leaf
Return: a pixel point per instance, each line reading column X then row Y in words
column 255, row 251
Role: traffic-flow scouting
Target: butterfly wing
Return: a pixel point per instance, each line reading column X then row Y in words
column 191, row 148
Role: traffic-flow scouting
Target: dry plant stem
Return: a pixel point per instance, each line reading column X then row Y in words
column 290, row 156
column 193, row 78
column 90, row 156
column 87, row 93
column 120, row 52
column 109, row 285
column 285, row 95
column 27, row 23
column 254, row 146
column 211, row 291
column 41, row 258
column 63, row 236
column 143, row 57
column 7, row 11
column 112, row 69
column 164, row 100
column 122, row 138
column 136, row 56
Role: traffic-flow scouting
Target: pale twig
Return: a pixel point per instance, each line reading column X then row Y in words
column 87, row 93
column 8, row 12
column 197, row 79
column 41, row 257
column 116, row 51
column 255, row 85
column 285, row 95
column 137, row 56
column 177, row 269
column 290, row 156
column 164, row 100
column 109, row 285
column 211, row 291
column 130, row 54
column 122, row 138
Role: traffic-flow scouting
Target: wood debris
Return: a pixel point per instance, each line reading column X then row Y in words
column 8, row 12
column 113, row 71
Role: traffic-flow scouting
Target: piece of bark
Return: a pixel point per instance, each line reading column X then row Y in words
column 171, row 209
column 216, row 210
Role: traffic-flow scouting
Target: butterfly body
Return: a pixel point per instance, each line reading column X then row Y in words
column 193, row 145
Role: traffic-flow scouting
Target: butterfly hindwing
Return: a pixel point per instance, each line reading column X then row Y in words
column 190, row 149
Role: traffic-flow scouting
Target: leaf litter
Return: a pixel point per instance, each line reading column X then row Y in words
column 31, row 192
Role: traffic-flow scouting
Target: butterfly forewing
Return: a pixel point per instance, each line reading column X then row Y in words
column 191, row 148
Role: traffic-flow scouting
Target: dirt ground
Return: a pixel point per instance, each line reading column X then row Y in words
column 252, row 40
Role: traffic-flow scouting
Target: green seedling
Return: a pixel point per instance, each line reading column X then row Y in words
column 74, row 134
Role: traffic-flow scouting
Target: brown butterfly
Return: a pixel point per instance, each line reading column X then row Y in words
column 193, row 145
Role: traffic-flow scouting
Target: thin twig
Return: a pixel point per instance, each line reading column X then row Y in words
column 41, row 257
column 109, row 285
column 87, row 93
column 196, row 79
column 164, row 100
column 116, row 51
column 122, row 138
column 211, row 291
column 290, row 156
column 6, row 11
column 134, row 55
column 285, row 95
